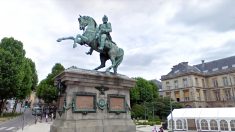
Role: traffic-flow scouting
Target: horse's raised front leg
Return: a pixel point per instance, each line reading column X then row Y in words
column 66, row 38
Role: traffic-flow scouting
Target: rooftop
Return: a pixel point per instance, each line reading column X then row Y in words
column 205, row 68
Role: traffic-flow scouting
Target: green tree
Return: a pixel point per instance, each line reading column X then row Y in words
column 8, row 68
column 145, row 94
column 16, row 72
column 144, row 91
column 46, row 89
column 24, row 89
column 137, row 111
column 34, row 77
column 12, row 79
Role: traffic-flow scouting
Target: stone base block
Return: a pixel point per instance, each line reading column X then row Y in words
column 93, row 126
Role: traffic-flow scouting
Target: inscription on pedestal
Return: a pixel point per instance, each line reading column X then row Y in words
column 117, row 103
column 84, row 102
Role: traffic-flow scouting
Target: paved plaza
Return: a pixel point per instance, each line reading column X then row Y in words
column 45, row 127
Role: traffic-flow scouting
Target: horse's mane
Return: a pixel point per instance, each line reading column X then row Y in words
column 92, row 20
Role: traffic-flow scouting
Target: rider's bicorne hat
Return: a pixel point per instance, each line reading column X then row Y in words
column 105, row 18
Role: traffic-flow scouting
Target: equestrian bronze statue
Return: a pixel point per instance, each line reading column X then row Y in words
column 98, row 39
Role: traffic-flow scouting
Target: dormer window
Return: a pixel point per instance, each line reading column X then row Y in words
column 215, row 69
column 176, row 71
column 224, row 67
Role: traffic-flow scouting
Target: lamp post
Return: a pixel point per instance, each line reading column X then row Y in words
column 232, row 88
column 172, row 121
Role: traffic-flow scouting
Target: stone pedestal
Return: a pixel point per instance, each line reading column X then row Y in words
column 92, row 101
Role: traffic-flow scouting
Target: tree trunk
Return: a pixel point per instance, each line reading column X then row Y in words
column 2, row 106
column 15, row 105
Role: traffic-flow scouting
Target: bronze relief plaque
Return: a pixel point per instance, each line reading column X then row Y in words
column 117, row 103
column 84, row 102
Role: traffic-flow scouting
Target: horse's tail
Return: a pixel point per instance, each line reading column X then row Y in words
column 119, row 57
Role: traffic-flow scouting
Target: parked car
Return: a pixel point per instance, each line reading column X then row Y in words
column 37, row 111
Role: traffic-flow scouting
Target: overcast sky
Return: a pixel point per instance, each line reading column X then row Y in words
column 155, row 34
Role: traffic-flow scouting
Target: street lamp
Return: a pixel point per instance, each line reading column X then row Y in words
column 172, row 121
column 232, row 88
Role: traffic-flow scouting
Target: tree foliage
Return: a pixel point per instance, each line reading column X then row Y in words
column 144, row 91
column 34, row 76
column 145, row 99
column 46, row 89
column 16, row 71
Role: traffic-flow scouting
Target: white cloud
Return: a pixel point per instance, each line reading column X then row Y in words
column 155, row 34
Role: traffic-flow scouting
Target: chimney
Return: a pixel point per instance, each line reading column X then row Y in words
column 203, row 65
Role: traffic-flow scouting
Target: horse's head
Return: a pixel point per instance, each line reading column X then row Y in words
column 84, row 21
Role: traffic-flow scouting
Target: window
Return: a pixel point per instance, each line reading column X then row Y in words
column 198, row 94
column 225, row 81
column 170, row 124
column 168, row 87
column 184, row 127
column 205, row 95
column 228, row 94
column 203, row 83
column 176, row 83
column 223, row 125
column 185, row 82
column 177, row 96
column 213, row 125
column 232, row 125
column 198, row 124
column 215, row 82
column 179, row 124
column 196, row 81
column 217, row 94
column 233, row 81
column 204, row 125
column 168, row 94
column 186, row 95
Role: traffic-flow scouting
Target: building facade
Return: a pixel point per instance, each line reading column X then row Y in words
column 209, row 84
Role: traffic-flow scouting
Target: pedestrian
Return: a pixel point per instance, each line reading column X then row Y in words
column 154, row 129
column 47, row 113
column 161, row 129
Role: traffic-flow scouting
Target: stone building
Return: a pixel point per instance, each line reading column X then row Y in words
column 209, row 84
